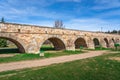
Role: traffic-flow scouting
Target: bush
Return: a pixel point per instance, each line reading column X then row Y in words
column 3, row 43
column 81, row 47
column 116, row 46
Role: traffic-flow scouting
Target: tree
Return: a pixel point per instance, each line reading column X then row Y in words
column 119, row 32
column 108, row 31
column 114, row 31
column 3, row 43
column 2, row 20
column 58, row 24
column 116, row 46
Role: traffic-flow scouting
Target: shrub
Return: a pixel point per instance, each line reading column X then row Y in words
column 3, row 43
column 116, row 46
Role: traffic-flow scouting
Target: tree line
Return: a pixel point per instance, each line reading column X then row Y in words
column 113, row 32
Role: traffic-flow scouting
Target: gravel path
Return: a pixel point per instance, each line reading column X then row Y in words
column 7, row 55
column 47, row 61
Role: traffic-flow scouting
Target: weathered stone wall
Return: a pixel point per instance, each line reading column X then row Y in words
column 30, row 37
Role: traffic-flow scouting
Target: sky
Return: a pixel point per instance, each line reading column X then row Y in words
column 88, row 15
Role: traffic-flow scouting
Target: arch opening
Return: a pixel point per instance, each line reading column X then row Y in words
column 12, row 46
column 113, row 40
column 96, row 43
column 106, row 42
column 53, row 44
column 80, row 42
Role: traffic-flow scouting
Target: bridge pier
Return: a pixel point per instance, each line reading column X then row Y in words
column 70, row 48
column 90, row 43
column 32, row 50
column 102, row 43
column 111, row 43
column 32, row 46
column 91, row 46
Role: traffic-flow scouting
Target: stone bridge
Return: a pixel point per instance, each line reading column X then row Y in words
column 29, row 38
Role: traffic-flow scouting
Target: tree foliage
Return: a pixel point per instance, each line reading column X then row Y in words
column 2, row 20
column 58, row 24
column 116, row 46
column 3, row 43
column 113, row 32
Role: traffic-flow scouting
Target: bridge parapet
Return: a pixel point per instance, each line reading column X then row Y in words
column 32, row 29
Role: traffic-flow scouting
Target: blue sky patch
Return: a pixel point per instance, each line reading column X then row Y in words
column 88, row 15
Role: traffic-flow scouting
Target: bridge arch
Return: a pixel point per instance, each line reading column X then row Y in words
column 106, row 42
column 16, row 42
column 96, row 42
column 80, row 42
column 57, row 43
column 113, row 40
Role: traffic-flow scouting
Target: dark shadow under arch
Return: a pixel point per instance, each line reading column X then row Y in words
column 19, row 46
column 106, row 41
column 57, row 43
column 80, row 42
column 113, row 40
column 96, row 42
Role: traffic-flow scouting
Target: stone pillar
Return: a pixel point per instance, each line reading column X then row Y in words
column 32, row 47
column 111, row 44
column 90, row 43
column 32, row 50
column 71, row 48
column 70, row 45
column 103, row 43
column 91, row 46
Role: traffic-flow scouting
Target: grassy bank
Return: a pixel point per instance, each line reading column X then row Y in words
column 97, row 68
column 100, row 48
column 21, row 57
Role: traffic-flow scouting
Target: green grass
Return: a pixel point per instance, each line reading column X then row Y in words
column 21, row 57
column 65, row 52
column 102, row 48
column 97, row 68
column 46, row 48
column 99, row 48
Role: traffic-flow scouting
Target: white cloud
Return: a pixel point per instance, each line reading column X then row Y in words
column 106, row 4
column 91, row 24
column 8, row 11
